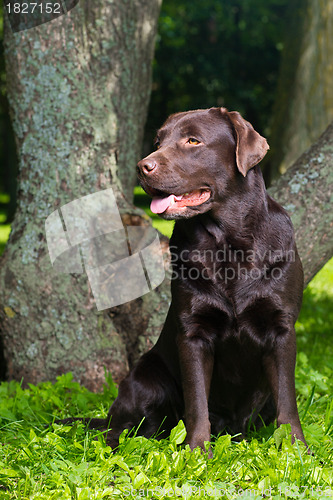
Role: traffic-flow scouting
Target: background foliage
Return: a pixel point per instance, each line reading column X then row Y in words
column 217, row 53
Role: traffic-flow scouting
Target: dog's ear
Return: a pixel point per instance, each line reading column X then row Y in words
column 251, row 147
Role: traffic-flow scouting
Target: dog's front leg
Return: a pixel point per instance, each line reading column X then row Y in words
column 196, row 362
column 280, row 369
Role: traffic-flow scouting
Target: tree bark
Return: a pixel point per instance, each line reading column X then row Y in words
column 304, row 100
column 78, row 89
column 306, row 192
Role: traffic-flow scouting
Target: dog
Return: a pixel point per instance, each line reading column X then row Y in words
column 225, row 359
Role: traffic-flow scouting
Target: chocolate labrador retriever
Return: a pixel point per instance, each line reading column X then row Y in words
column 225, row 359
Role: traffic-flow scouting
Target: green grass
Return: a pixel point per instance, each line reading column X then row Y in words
column 63, row 462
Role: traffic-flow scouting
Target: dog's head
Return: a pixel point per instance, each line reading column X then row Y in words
column 200, row 157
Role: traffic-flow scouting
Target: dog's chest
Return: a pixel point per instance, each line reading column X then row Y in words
column 227, row 296
column 227, row 289
column 219, row 271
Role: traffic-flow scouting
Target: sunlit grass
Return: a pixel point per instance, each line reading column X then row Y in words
column 314, row 326
column 54, row 462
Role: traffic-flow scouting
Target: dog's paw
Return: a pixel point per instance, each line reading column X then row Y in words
column 203, row 444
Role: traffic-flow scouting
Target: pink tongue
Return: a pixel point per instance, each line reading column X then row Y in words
column 160, row 204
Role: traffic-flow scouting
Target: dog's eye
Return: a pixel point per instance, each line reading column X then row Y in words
column 193, row 141
column 157, row 144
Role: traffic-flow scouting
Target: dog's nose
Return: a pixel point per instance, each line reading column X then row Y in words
column 147, row 165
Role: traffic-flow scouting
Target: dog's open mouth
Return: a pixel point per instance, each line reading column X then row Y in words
column 160, row 204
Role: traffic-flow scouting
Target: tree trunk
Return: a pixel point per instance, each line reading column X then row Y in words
column 78, row 89
column 304, row 101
